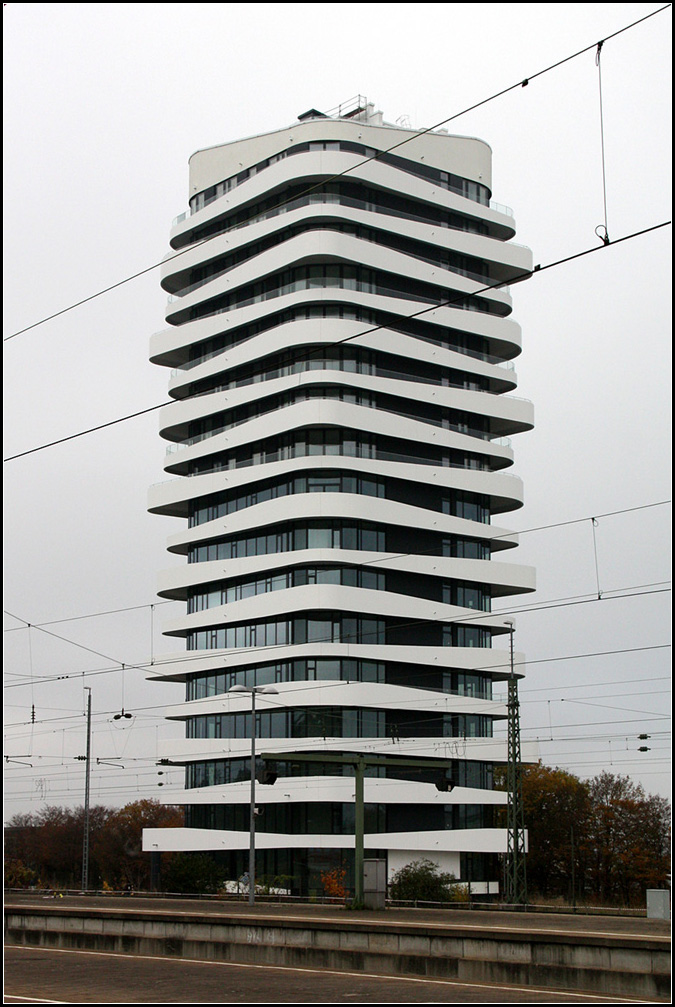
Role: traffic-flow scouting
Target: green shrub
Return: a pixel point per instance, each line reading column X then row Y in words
column 193, row 874
column 424, row 881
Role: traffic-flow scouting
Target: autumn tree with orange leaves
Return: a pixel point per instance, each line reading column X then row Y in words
column 607, row 834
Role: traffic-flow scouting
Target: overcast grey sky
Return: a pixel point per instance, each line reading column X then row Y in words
column 104, row 105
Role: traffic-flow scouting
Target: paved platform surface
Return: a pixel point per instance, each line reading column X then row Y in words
column 615, row 926
column 38, row 975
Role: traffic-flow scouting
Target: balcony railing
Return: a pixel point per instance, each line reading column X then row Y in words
column 501, row 208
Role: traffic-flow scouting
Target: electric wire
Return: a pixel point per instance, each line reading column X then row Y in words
column 199, row 656
column 62, row 765
column 481, row 617
column 58, row 773
column 64, row 769
column 522, row 82
column 101, row 790
column 365, row 563
column 410, row 743
column 104, row 763
column 326, row 784
column 591, row 685
column 89, row 615
column 318, row 783
column 605, row 236
column 526, row 274
column 430, row 695
column 488, row 705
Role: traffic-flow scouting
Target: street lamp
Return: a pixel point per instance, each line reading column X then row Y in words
column 265, row 690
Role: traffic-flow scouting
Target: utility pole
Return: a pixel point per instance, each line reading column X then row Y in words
column 87, row 770
column 515, row 874
column 574, row 887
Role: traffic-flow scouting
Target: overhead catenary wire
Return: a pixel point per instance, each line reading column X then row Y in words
column 522, row 531
column 418, row 133
column 522, row 82
column 592, row 685
column 200, row 655
column 148, row 790
column 142, row 712
column 422, row 704
column 103, row 718
column 376, row 746
column 103, row 784
column 62, row 766
column 459, row 619
column 495, row 613
column 374, row 328
column 294, row 688
column 58, row 773
column 196, row 656
column 605, row 235
column 92, row 615
column 30, row 678
column 318, row 782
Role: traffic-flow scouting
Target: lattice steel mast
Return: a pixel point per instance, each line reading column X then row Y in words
column 515, row 874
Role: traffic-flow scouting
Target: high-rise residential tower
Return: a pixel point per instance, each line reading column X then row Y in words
column 339, row 448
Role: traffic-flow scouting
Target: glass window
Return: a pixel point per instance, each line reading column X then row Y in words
column 372, row 631
column 331, row 575
column 332, row 440
column 349, row 629
column 369, row 723
column 277, row 724
column 300, row 538
column 320, row 538
column 371, row 672
column 369, row 487
column 348, row 537
column 350, row 723
column 329, row 670
column 372, row 580
column 319, row 630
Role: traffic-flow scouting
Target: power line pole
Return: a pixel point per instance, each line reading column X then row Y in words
column 85, row 841
column 515, row 874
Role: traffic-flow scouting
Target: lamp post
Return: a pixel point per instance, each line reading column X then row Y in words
column 265, row 690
